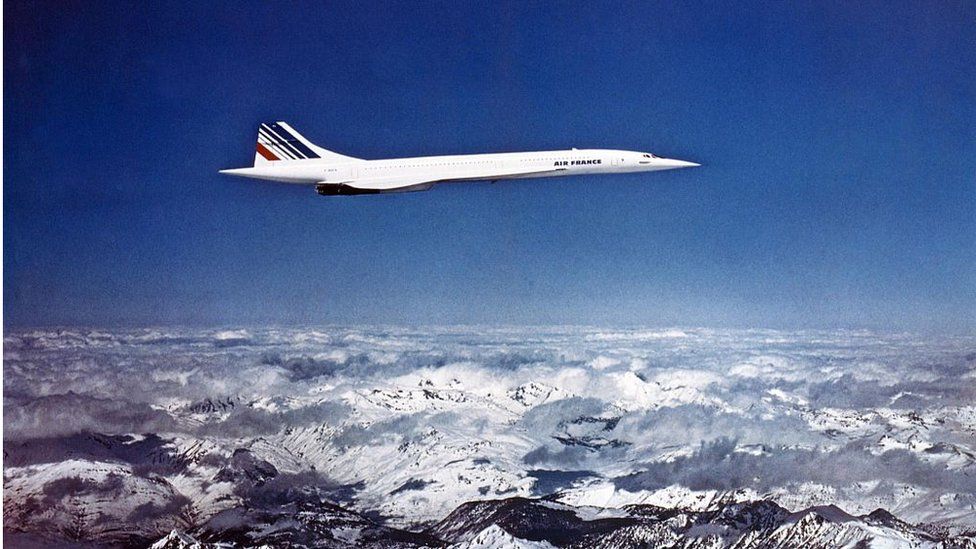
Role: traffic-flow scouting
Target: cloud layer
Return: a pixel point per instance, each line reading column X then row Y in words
column 412, row 421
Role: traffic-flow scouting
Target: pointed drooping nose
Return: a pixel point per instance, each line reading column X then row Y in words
column 672, row 163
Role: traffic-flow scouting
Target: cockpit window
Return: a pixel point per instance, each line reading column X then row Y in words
column 647, row 155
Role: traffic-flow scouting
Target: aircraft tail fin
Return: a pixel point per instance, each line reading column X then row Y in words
column 278, row 142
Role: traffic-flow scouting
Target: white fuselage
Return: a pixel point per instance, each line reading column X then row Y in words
column 391, row 174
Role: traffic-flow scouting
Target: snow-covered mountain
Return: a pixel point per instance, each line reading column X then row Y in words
column 537, row 524
column 751, row 524
column 126, row 436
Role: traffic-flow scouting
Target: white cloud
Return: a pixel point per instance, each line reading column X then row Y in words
column 465, row 406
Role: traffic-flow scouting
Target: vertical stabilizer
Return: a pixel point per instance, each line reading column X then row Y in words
column 278, row 142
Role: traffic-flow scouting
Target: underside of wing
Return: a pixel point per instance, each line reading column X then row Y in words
column 505, row 174
column 421, row 183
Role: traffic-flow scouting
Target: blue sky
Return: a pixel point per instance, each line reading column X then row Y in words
column 838, row 143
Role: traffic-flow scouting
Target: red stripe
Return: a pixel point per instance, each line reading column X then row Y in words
column 268, row 155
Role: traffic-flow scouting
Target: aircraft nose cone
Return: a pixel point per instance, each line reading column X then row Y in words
column 672, row 163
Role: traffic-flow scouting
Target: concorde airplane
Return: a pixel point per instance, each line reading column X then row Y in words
column 284, row 155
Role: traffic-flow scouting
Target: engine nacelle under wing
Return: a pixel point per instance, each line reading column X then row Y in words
column 339, row 189
column 343, row 189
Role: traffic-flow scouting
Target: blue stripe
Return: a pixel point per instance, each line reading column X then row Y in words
column 281, row 142
column 276, row 145
column 285, row 154
column 293, row 141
